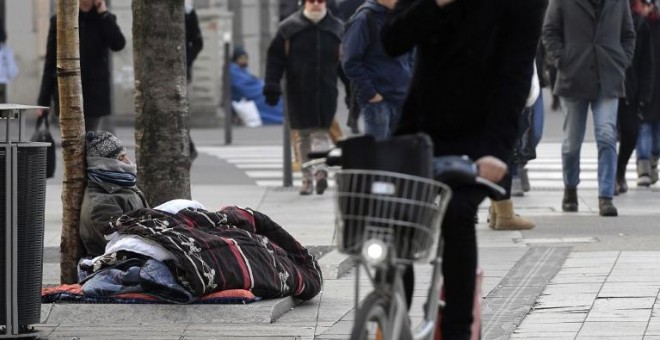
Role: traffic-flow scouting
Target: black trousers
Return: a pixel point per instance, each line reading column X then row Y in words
column 628, row 123
column 459, row 262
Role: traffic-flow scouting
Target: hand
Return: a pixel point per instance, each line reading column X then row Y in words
column 272, row 99
column 376, row 99
column 41, row 112
column 100, row 6
column 491, row 168
column 443, row 3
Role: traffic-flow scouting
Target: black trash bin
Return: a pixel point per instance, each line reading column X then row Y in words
column 22, row 208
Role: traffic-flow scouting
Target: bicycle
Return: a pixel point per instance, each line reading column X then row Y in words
column 385, row 222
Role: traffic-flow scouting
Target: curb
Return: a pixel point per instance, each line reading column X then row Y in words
column 335, row 265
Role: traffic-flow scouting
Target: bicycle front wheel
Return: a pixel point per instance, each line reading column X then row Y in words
column 371, row 318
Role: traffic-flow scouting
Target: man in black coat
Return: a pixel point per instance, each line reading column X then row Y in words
column 472, row 77
column 591, row 43
column 99, row 33
column 306, row 47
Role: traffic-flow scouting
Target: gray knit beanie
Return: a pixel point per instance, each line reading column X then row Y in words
column 103, row 144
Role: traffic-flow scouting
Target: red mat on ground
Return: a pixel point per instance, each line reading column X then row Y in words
column 74, row 294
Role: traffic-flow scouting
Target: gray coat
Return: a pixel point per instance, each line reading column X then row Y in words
column 100, row 205
column 591, row 54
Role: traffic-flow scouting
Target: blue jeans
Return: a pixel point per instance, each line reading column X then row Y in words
column 380, row 119
column 575, row 121
column 648, row 142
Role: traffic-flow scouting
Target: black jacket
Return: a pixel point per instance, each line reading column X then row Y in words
column 652, row 111
column 591, row 53
column 99, row 33
column 309, row 55
column 639, row 76
column 194, row 41
column 473, row 70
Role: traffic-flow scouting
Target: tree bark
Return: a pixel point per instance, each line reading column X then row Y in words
column 72, row 126
column 161, row 100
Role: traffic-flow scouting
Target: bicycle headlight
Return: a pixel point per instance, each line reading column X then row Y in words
column 374, row 251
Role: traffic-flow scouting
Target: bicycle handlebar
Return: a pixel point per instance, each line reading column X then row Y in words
column 454, row 171
column 461, row 170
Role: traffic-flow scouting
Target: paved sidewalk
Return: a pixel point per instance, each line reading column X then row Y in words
column 575, row 276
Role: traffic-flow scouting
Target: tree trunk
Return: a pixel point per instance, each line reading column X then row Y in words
column 72, row 125
column 161, row 102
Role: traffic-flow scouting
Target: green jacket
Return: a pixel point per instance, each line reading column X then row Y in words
column 101, row 205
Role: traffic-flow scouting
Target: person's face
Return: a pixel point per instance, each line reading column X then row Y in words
column 388, row 3
column 124, row 158
column 242, row 61
column 315, row 5
column 86, row 5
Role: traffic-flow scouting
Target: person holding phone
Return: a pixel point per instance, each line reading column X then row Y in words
column 99, row 33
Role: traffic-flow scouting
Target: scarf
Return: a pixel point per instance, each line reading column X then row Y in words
column 111, row 173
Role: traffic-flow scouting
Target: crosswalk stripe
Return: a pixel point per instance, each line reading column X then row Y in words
column 264, row 165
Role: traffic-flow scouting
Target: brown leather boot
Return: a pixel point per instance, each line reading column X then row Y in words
column 505, row 218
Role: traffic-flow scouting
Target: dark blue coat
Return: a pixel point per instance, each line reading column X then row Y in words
column 367, row 64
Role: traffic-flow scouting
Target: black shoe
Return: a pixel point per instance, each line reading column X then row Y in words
column 621, row 186
column 321, row 181
column 570, row 202
column 606, row 207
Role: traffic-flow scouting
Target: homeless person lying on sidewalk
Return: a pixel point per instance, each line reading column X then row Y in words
column 183, row 254
column 180, row 251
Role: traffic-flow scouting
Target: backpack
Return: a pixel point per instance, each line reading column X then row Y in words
column 351, row 91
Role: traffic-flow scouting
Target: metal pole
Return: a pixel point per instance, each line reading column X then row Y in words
column 8, row 238
column 288, row 175
column 14, row 329
column 226, row 91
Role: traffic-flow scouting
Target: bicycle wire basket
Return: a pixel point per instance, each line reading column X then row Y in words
column 402, row 211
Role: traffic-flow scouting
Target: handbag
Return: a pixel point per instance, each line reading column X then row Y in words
column 43, row 135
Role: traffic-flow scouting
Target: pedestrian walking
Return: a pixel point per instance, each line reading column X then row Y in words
column 501, row 215
column 99, row 33
column 306, row 48
column 638, row 94
column 471, row 79
column 381, row 82
column 194, row 45
column 648, row 142
column 591, row 43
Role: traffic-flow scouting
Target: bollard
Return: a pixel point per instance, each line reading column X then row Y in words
column 288, row 176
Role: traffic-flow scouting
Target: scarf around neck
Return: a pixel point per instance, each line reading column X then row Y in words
column 111, row 174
